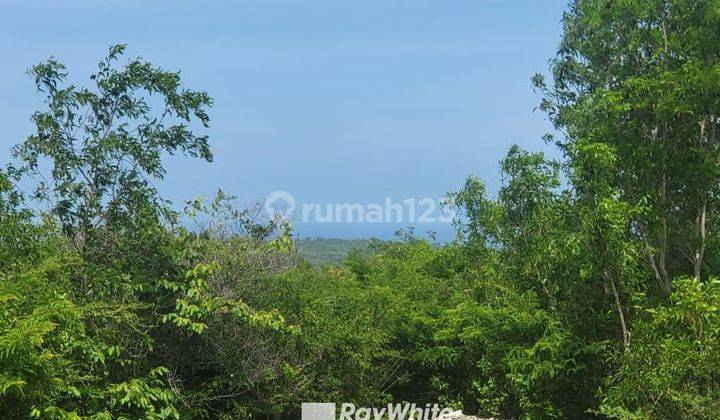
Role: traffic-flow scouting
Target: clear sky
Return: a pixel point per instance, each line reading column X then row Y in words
column 333, row 101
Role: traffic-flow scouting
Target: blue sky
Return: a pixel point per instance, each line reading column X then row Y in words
column 332, row 101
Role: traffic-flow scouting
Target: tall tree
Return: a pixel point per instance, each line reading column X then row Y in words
column 643, row 77
column 104, row 145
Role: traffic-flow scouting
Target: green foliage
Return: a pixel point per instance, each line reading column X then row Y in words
column 97, row 294
column 585, row 288
column 637, row 79
column 105, row 142
column 329, row 251
column 671, row 371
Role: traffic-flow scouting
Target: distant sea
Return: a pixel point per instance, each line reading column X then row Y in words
column 385, row 231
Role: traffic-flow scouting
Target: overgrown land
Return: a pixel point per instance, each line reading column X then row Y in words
column 594, row 296
column 330, row 251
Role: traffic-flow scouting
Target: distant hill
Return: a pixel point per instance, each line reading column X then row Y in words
column 328, row 251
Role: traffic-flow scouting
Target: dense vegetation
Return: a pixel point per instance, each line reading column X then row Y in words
column 586, row 287
column 330, row 251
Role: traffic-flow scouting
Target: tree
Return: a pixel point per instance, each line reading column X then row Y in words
column 671, row 371
column 105, row 144
column 641, row 77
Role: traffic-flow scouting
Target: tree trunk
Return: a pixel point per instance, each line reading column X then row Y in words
column 618, row 307
column 700, row 252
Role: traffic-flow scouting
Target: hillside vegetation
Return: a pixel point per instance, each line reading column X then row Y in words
column 330, row 251
column 585, row 288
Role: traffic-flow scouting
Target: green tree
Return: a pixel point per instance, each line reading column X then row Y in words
column 98, row 294
column 105, row 144
column 641, row 77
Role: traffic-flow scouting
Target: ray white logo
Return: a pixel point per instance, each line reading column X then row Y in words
column 348, row 411
column 281, row 204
